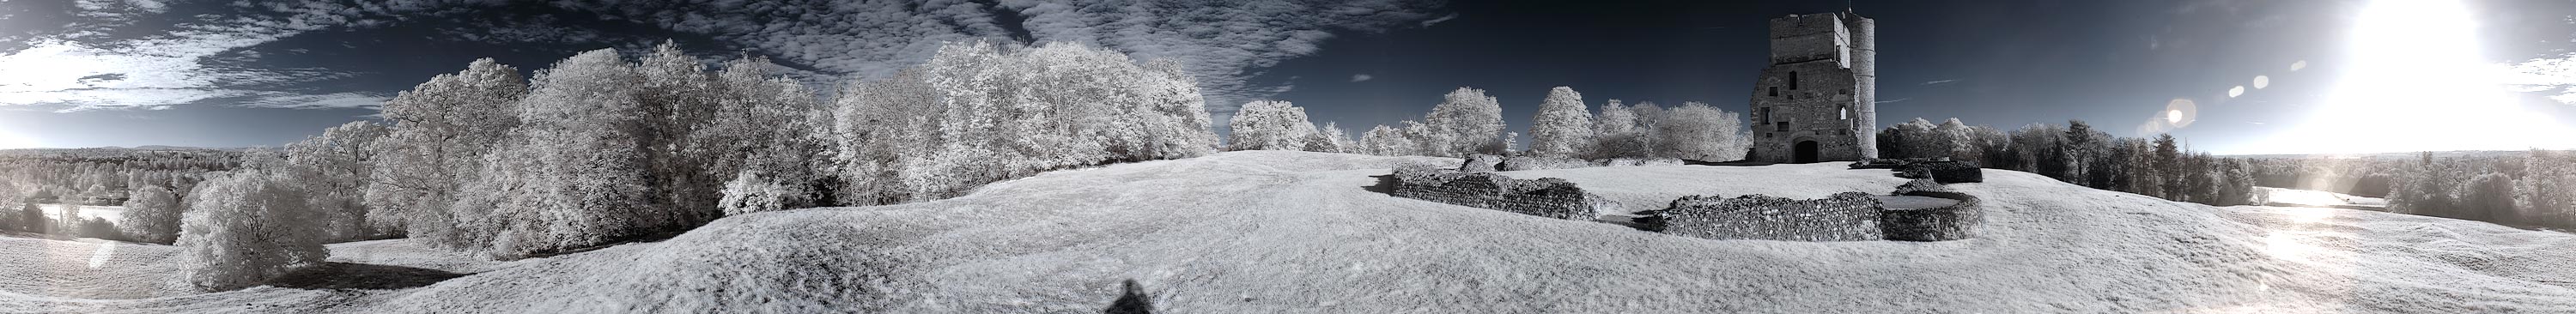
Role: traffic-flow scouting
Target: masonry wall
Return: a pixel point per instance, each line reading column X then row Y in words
column 1821, row 87
column 1954, row 222
column 1546, row 197
column 1850, row 216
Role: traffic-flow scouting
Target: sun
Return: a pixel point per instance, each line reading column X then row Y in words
column 2414, row 79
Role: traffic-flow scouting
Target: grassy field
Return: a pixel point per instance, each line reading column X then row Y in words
column 1292, row 232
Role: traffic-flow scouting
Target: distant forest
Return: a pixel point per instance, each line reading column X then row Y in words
column 2528, row 189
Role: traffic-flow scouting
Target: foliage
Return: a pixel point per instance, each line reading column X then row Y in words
column 152, row 215
column 1271, row 125
column 245, row 228
column 1563, row 127
column 977, row 113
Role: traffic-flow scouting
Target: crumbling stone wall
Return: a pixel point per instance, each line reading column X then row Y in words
column 1850, row 216
column 1518, row 163
column 1481, row 163
column 1540, row 163
column 1943, row 169
column 1545, row 197
column 1953, row 222
column 1925, row 184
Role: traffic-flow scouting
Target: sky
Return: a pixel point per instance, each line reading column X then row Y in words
column 2408, row 74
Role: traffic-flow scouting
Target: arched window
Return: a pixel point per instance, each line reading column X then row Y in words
column 1845, row 112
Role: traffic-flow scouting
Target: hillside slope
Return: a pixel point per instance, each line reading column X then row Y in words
column 1292, row 232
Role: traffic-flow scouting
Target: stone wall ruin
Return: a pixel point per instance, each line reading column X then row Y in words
column 1545, row 197
column 1849, row 216
column 1943, row 223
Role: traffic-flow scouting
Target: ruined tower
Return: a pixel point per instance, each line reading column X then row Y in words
column 1817, row 101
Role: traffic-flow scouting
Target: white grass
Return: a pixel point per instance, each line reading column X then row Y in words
column 1289, row 232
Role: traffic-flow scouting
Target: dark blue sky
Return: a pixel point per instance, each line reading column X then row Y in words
column 2114, row 64
column 148, row 72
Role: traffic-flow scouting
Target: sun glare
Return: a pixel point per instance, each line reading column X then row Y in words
column 13, row 141
column 2414, row 80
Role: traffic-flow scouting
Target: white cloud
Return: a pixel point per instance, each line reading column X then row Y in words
column 1939, row 82
column 1895, row 101
column 82, row 70
column 322, row 101
column 1363, row 77
column 2556, row 75
column 1222, row 44
column 1443, row 18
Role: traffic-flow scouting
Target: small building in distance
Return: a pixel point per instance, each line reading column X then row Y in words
column 1817, row 101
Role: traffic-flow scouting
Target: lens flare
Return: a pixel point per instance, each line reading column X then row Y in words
column 2415, row 80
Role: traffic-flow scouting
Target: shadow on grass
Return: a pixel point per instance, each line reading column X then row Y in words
column 337, row 275
column 1385, row 184
column 1134, row 301
column 1743, row 162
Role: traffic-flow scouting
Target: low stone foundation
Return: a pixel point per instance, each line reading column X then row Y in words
column 1518, row 163
column 1850, row 216
column 1481, row 163
column 1543, row 163
column 1949, row 171
column 1925, row 184
column 1545, row 197
column 1954, row 222
column 1943, row 169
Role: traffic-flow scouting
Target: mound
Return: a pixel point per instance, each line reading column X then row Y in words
column 1263, row 232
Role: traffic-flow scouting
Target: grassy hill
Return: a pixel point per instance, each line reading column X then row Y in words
column 1294, row 232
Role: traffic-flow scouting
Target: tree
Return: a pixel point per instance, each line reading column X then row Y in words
column 1466, row 122
column 1697, row 131
column 1994, row 148
column 2547, row 193
column 2489, row 197
column 152, row 215
column 1270, row 125
column 245, row 228
column 1912, row 139
column 2167, row 163
column 575, row 173
column 2083, row 154
column 1388, row 141
column 1619, row 132
column 436, row 144
column 1330, row 138
column 975, row 114
column 334, row 168
column 758, row 131
column 1563, row 127
column 2238, row 186
column 675, row 104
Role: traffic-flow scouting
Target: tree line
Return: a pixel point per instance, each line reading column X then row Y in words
column 2079, row 154
column 2535, row 188
column 1468, row 122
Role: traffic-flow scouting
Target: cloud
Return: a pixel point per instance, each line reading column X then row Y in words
column 192, row 55
column 1894, row 101
column 1362, row 77
column 1939, row 82
column 1443, row 18
column 82, row 67
column 350, row 100
column 2546, row 75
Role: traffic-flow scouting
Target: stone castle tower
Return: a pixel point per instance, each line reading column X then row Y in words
column 1818, row 99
